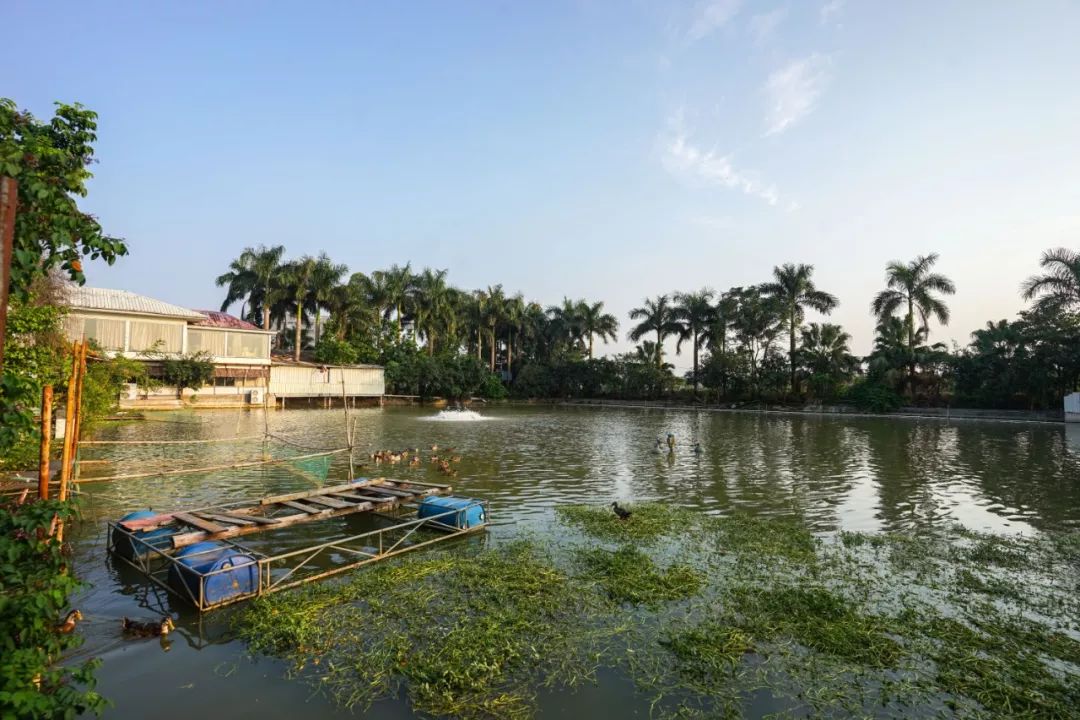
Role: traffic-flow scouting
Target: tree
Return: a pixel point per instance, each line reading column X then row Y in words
column 187, row 371
column 49, row 161
column 325, row 279
column 757, row 323
column 826, row 355
column 695, row 314
column 295, row 284
column 1059, row 286
column 566, row 325
column 251, row 276
column 431, row 304
column 793, row 287
column 655, row 316
column 594, row 322
column 913, row 288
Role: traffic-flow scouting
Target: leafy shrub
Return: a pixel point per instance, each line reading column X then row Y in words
column 872, row 396
column 332, row 351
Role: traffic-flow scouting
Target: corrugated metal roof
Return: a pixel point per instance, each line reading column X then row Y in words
column 288, row 361
column 215, row 318
column 123, row 301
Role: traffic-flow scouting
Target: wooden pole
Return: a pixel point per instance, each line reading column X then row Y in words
column 46, row 431
column 77, row 424
column 69, row 422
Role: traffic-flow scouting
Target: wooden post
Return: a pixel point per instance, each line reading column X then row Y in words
column 9, row 202
column 77, row 424
column 46, row 432
column 69, row 420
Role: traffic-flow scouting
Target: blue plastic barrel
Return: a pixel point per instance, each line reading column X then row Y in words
column 197, row 567
column 140, row 543
column 471, row 511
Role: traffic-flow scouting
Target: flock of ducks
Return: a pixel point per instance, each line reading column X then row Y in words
column 412, row 457
column 670, row 441
column 131, row 628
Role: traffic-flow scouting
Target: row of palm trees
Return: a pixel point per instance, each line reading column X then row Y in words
column 504, row 329
column 418, row 306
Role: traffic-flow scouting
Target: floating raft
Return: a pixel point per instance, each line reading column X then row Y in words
column 194, row 554
column 278, row 511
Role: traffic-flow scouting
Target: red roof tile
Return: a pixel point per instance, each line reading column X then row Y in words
column 225, row 320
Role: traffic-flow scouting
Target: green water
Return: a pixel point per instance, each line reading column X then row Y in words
column 855, row 474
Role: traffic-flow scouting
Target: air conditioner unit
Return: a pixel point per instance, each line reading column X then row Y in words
column 131, row 391
column 255, row 397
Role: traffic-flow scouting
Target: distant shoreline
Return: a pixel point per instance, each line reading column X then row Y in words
column 1042, row 417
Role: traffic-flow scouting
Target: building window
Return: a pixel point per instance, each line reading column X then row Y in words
column 106, row 334
column 224, row 382
column 149, row 335
column 208, row 341
column 248, row 345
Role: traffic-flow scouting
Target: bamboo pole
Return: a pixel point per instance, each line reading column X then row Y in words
column 191, row 471
column 69, row 422
column 46, row 432
column 77, row 429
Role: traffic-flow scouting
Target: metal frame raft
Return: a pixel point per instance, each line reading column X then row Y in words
column 394, row 500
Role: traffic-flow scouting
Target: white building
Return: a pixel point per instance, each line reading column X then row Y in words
column 142, row 328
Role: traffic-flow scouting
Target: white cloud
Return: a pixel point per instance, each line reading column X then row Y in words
column 830, row 10
column 710, row 15
column 793, row 91
column 762, row 26
column 684, row 159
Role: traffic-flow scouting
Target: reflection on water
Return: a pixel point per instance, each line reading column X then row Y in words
column 834, row 473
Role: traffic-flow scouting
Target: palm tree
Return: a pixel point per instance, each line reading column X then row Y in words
column 493, row 314
column 656, row 316
column 913, row 286
column 826, row 354
column 431, row 298
column 296, row 281
column 325, row 279
column 794, row 289
column 396, row 286
column 513, row 314
column 596, row 323
column 252, row 275
column 566, row 323
column 695, row 314
column 349, row 304
column 1059, row 286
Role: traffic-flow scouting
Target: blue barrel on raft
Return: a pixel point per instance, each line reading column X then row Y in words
column 470, row 513
column 132, row 544
column 209, row 573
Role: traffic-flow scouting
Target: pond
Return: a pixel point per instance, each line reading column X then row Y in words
column 869, row 475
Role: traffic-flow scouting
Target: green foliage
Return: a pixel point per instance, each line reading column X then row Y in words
column 331, row 351
column 36, row 582
column 648, row 521
column 50, row 160
column 105, row 379
column 467, row 634
column 872, row 395
column 192, row 370
column 629, row 575
column 33, row 358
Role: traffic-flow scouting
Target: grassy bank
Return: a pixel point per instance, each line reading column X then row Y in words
column 708, row 616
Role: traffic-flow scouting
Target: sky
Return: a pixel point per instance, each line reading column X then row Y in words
column 603, row 150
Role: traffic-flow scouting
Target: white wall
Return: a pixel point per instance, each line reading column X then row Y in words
column 300, row 381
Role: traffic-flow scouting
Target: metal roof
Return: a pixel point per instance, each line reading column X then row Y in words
column 217, row 319
column 122, row 301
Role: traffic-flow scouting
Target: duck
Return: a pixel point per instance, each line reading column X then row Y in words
column 620, row 512
column 68, row 624
column 434, row 448
column 671, row 441
column 148, row 628
column 697, row 448
column 416, row 461
column 455, row 459
column 659, row 447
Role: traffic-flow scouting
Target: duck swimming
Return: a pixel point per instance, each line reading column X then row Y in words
column 697, row 448
column 671, row 442
column 621, row 513
column 148, row 628
column 68, row 624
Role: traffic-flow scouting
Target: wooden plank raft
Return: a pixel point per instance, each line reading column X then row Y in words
column 277, row 511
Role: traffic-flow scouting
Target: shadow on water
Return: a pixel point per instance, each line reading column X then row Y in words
column 865, row 474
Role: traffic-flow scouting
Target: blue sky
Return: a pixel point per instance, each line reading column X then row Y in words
column 588, row 149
